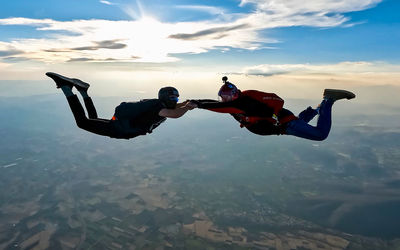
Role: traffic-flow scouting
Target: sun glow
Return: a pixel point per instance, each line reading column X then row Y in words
column 147, row 39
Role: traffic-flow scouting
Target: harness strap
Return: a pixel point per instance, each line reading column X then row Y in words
column 249, row 120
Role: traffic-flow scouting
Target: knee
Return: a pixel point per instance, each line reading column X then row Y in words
column 81, row 123
column 321, row 137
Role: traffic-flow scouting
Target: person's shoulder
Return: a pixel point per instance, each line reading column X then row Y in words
column 155, row 104
column 151, row 101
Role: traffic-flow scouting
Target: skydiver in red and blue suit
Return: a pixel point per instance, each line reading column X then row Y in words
column 263, row 113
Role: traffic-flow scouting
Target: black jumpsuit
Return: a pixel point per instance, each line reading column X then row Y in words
column 142, row 117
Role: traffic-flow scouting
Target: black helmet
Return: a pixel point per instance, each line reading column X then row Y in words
column 168, row 96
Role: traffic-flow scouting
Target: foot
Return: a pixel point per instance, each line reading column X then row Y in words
column 65, row 81
column 337, row 94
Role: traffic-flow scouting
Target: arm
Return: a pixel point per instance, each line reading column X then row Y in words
column 182, row 104
column 231, row 107
column 179, row 111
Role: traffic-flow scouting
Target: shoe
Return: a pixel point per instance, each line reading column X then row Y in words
column 337, row 94
column 65, row 81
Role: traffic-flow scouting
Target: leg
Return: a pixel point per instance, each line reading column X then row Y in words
column 97, row 126
column 90, row 108
column 308, row 114
column 300, row 128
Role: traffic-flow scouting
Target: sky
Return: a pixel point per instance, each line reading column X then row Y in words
column 180, row 41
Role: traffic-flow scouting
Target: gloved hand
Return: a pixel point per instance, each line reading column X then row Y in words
column 195, row 103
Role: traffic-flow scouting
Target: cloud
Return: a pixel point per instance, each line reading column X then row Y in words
column 8, row 50
column 275, row 69
column 13, row 59
column 306, row 7
column 6, row 53
column 342, row 68
column 202, row 33
column 26, row 21
column 316, row 13
column 109, row 44
column 147, row 39
column 82, row 59
column 56, row 50
column 202, row 8
column 107, row 2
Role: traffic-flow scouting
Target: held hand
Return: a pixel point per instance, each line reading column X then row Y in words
column 195, row 102
column 192, row 104
column 188, row 105
column 182, row 105
column 186, row 102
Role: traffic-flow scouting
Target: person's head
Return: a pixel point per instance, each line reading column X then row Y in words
column 228, row 91
column 168, row 96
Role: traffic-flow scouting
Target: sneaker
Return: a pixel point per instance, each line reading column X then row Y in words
column 337, row 94
column 65, row 81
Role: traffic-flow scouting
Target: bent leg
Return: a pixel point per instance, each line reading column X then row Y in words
column 97, row 126
column 91, row 110
column 308, row 114
column 301, row 128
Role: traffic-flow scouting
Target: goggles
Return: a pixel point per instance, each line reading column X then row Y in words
column 174, row 98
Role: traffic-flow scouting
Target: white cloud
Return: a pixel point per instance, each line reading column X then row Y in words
column 316, row 13
column 26, row 21
column 146, row 39
column 314, row 6
column 107, row 2
column 339, row 68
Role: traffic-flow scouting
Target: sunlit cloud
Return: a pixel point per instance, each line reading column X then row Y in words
column 317, row 13
column 309, row 7
column 338, row 68
column 146, row 39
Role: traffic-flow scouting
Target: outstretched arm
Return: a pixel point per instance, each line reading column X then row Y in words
column 182, row 104
column 220, row 107
column 179, row 111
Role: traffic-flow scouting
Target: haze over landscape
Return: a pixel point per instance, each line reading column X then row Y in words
column 200, row 181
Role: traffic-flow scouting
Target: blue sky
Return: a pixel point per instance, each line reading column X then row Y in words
column 238, row 36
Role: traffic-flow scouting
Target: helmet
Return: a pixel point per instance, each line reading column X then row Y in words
column 168, row 96
column 228, row 91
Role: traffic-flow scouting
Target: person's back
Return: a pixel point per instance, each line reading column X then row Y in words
column 137, row 118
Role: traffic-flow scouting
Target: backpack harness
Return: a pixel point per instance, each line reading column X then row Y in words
column 271, row 100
